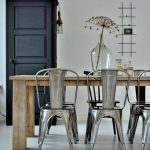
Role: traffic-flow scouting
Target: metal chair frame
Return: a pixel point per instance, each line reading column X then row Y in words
column 94, row 100
column 56, row 106
column 134, row 103
column 143, row 110
column 95, row 115
column 65, row 104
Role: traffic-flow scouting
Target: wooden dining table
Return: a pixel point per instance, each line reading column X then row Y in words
column 23, row 102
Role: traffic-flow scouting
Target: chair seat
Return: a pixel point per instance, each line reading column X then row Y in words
column 99, row 101
column 141, row 103
column 68, row 103
column 101, row 108
column 145, row 108
column 48, row 107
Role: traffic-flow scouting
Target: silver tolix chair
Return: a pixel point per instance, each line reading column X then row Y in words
column 143, row 110
column 57, row 105
column 95, row 101
column 108, row 80
column 134, row 102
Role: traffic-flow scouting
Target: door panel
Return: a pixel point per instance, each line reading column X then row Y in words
column 30, row 46
column 26, row 17
column 31, row 41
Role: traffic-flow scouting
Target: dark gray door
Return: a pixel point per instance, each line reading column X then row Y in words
column 31, row 41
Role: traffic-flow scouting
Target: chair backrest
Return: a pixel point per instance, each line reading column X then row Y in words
column 56, row 85
column 108, row 81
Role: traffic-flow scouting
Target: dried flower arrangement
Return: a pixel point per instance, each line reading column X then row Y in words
column 104, row 23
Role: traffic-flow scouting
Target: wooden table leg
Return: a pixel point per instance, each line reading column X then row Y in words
column 30, row 116
column 19, row 115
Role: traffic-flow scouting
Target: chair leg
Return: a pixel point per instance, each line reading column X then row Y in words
column 49, row 125
column 133, row 126
column 88, row 128
column 114, row 126
column 118, row 135
column 67, row 118
column 129, row 122
column 145, row 130
column 95, row 127
column 91, row 119
column 118, row 121
column 75, row 126
column 74, row 123
column 39, row 128
column 43, row 126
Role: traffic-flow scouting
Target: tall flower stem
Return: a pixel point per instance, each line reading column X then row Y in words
column 100, row 44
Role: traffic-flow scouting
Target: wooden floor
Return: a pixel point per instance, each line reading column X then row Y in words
column 57, row 139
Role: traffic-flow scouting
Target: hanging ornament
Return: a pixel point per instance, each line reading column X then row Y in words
column 59, row 21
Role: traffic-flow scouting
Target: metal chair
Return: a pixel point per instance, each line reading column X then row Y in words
column 143, row 110
column 96, row 101
column 132, row 103
column 108, row 109
column 57, row 106
column 65, row 104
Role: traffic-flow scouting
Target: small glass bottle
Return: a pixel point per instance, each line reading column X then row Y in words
column 130, row 68
column 119, row 64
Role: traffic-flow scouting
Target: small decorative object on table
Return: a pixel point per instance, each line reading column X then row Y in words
column 101, row 55
column 119, row 64
column 130, row 68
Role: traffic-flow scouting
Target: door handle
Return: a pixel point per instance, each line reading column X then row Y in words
column 11, row 60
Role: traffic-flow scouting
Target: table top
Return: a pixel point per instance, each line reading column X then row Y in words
column 30, row 80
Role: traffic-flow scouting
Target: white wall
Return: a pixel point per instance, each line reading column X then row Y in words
column 2, row 56
column 75, row 44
